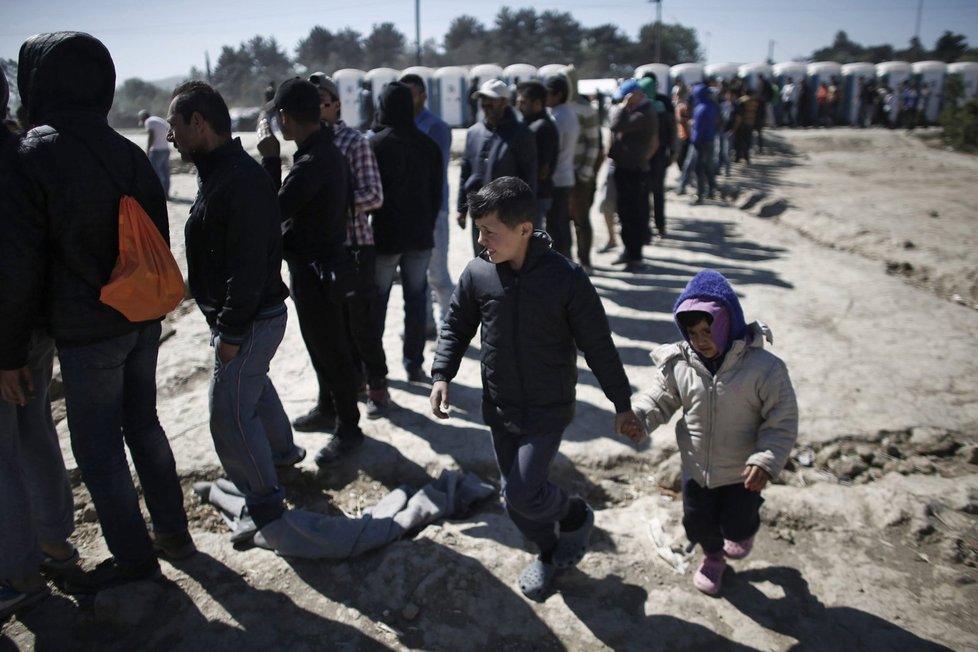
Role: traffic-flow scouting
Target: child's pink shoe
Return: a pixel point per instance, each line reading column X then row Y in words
column 709, row 576
column 738, row 549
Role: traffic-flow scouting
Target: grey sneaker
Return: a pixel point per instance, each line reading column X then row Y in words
column 337, row 447
column 378, row 403
column 244, row 527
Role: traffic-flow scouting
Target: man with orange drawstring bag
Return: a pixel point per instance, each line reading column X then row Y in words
column 145, row 282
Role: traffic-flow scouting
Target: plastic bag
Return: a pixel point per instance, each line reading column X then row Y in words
column 146, row 282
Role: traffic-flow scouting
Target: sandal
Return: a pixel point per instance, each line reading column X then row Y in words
column 572, row 545
column 535, row 580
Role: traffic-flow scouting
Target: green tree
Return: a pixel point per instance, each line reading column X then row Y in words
column 134, row 95
column 515, row 37
column 679, row 45
column 241, row 75
column 559, row 39
column 949, row 47
column 347, row 50
column 466, row 41
column 606, row 51
column 385, row 46
column 315, row 51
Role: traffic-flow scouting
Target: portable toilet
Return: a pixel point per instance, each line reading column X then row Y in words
column 551, row 69
column 854, row 75
column 723, row 72
column 794, row 70
column 661, row 70
column 426, row 74
column 450, row 92
column 967, row 71
column 751, row 73
column 483, row 72
column 819, row 72
column 515, row 73
column 930, row 76
column 892, row 74
column 378, row 78
column 688, row 73
column 348, row 82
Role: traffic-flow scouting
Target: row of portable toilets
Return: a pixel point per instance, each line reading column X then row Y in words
column 449, row 88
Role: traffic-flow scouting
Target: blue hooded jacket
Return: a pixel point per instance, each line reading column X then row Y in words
column 711, row 285
column 705, row 115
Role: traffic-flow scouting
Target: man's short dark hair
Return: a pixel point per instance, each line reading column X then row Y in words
column 532, row 90
column 197, row 96
column 651, row 75
column 412, row 79
column 510, row 198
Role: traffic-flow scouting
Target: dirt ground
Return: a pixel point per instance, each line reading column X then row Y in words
column 857, row 247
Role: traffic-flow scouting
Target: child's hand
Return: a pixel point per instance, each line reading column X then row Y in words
column 439, row 399
column 756, row 478
column 628, row 425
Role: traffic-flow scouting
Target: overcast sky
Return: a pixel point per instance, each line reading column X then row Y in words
column 156, row 40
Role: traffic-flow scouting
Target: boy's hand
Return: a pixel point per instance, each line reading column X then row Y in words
column 628, row 425
column 439, row 399
column 16, row 386
column 757, row 478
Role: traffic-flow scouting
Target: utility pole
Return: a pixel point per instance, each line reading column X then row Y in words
column 658, row 30
column 916, row 31
column 417, row 29
column 770, row 51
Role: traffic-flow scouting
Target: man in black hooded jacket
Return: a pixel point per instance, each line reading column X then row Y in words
column 411, row 173
column 61, row 243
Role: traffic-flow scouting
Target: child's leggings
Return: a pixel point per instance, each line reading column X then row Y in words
column 712, row 515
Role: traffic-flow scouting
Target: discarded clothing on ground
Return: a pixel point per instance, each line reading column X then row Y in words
column 310, row 535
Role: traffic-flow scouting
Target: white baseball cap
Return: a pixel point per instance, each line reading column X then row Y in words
column 494, row 88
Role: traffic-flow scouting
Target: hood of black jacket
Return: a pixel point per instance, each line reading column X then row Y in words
column 65, row 72
column 396, row 107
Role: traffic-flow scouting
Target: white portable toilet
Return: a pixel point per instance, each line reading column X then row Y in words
column 751, row 74
column 819, row 72
column 515, row 73
column 689, row 73
column 794, row 70
column 662, row 81
column 449, row 93
column 852, row 73
column 550, row 69
column 378, row 78
column 968, row 72
column 348, row 82
column 721, row 71
column 892, row 74
column 930, row 74
column 479, row 75
column 426, row 74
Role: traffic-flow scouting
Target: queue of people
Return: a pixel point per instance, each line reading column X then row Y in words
column 349, row 213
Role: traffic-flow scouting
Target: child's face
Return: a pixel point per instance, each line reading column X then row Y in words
column 503, row 243
column 702, row 341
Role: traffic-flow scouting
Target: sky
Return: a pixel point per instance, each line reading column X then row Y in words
column 158, row 40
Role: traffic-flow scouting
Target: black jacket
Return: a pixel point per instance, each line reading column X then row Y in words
column 234, row 242
column 547, row 139
column 60, row 225
column 508, row 150
column 314, row 199
column 411, row 173
column 533, row 322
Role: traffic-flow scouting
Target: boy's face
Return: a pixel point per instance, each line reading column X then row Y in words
column 701, row 340
column 504, row 244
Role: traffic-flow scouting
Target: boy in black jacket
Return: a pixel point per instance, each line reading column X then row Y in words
column 536, row 308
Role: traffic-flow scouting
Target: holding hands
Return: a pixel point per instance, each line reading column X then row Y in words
column 628, row 425
column 756, row 478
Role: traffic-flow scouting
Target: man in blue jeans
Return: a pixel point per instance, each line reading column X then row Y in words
column 412, row 175
column 234, row 261
column 60, row 243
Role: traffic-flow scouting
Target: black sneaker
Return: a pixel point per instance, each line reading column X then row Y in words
column 298, row 454
column 110, row 573
column 174, row 547
column 338, row 447
column 378, row 403
column 417, row 375
column 316, row 421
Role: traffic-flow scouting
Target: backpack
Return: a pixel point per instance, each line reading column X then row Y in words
column 146, row 282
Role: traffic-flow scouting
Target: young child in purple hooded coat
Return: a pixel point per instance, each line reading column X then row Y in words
column 739, row 422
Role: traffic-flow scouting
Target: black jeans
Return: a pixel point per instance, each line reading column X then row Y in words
column 633, row 210
column 361, row 323
column 558, row 220
column 712, row 515
column 657, row 180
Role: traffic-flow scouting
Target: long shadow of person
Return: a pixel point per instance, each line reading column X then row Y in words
column 614, row 612
column 801, row 615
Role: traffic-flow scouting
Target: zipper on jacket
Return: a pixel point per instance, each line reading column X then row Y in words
column 516, row 343
column 712, row 393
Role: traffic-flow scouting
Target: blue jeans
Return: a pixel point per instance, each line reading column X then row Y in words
column 110, row 395
column 705, row 172
column 35, row 495
column 723, row 154
column 248, row 423
column 414, row 285
column 439, row 277
column 689, row 167
column 160, row 160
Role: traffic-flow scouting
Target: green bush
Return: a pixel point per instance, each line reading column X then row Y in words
column 959, row 118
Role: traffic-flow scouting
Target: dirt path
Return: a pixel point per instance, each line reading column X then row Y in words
column 869, row 542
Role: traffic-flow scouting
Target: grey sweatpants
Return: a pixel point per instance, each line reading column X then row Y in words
column 35, row 496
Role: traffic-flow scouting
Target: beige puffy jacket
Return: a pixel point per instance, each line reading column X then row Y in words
column 745, row 415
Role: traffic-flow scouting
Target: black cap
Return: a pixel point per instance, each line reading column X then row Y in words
column 295, row 95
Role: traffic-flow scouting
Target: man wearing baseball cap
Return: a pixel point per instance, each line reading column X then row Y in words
column 634, row 128
column 498, row 146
